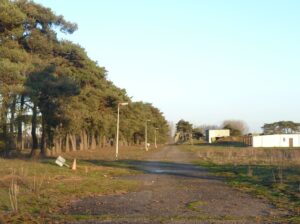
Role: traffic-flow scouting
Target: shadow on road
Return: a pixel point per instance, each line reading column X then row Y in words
column 159, row 168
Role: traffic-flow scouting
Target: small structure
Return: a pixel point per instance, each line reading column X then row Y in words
column 279, row 140
column 214, row 135
column 247, row 140
column 61, row 161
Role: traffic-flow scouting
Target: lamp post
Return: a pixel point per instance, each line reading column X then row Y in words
column 118, row 122
column 155, row 145
column 146, row 135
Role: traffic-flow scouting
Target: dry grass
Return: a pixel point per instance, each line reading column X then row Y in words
column 36, row 191
column 272, row 173
column 13, row 195
column 247, row 155
column 108, row 154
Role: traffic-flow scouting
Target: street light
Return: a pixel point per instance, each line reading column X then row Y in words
column 146, row 136
column 118, row 122
column 155, row 145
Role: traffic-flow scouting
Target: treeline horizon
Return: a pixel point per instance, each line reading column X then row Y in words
column 188, row 131
column 52, row 89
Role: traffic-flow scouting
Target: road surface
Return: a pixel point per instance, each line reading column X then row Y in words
column 175, row 191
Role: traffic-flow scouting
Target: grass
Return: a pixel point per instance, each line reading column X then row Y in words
column 195, row 205
column 273, row 174
column 43, row 188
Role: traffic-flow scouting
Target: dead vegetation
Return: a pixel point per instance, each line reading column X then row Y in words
column 272, row 173
column 249, row 155
column 35, row 191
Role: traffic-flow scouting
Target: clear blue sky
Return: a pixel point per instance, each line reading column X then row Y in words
column 201, row 60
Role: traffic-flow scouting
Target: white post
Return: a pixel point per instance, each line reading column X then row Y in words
column 146, row 136
column 146, row 146
column 155, row 137
column 117, row 140
column 118, row 124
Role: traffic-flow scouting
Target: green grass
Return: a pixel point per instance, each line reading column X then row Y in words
column 45, row 188
column 272, row 174
column 195, row 205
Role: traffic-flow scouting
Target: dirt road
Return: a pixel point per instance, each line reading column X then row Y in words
column 175, row 191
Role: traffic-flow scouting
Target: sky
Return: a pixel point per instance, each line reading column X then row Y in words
column 204, row 61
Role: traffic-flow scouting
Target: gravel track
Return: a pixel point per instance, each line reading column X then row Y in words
column 175, row 191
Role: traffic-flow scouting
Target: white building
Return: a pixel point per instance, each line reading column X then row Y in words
column 213, row 135
column 280, row 140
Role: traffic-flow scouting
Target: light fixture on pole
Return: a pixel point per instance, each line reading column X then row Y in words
column 155, row 145
column 146, row 135
column 118, row 122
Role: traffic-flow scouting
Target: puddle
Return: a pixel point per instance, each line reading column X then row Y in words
column 162, row 171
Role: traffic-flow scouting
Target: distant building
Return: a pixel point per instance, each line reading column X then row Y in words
column 280, row 140
column 214, row 135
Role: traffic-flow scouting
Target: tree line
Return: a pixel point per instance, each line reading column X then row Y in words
column 186, row 131
column 51, row 91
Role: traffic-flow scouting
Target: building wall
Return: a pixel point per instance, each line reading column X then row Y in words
column 276, row 140
column 211, row 135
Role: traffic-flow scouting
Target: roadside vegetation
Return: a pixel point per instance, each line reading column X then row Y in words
column 40, row 191
column 53, row 97
column 269, row 173
column 55, row 100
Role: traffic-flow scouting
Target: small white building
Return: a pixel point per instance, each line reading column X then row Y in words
column 280, row 140
column 213, row 135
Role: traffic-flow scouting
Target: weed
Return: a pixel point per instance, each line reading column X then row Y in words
column 195, row 205
column 13, row 195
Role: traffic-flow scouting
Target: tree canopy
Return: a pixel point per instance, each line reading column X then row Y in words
column 184, row 129
column 281, row 127
column 52, row 88
column 236, row 127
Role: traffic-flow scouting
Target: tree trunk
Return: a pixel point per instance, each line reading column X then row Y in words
column 11, row 139
column 12, row 115
column 60, row 145
column 67, row 143
column 56, row 146
column 33, row 131
column 104, row 141
column 43, row 137
column 81, row 141
column 73, row 142
column 85, row 140
column 4, row 112
column 20, row 141
column 4, row 131
column 98, row 141
column 93, row 143
column 88, row 140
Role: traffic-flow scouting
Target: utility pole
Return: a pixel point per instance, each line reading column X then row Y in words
column 118, row 124
column 155, row 145
column 146, row 135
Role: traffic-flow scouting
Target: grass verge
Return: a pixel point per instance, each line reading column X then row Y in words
column 43, row 189
column 271, row 174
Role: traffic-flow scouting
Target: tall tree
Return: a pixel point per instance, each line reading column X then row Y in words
column 281, row 127
column 236, row 127
column 49, row 92
column 185, row 129
column 56, row 86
